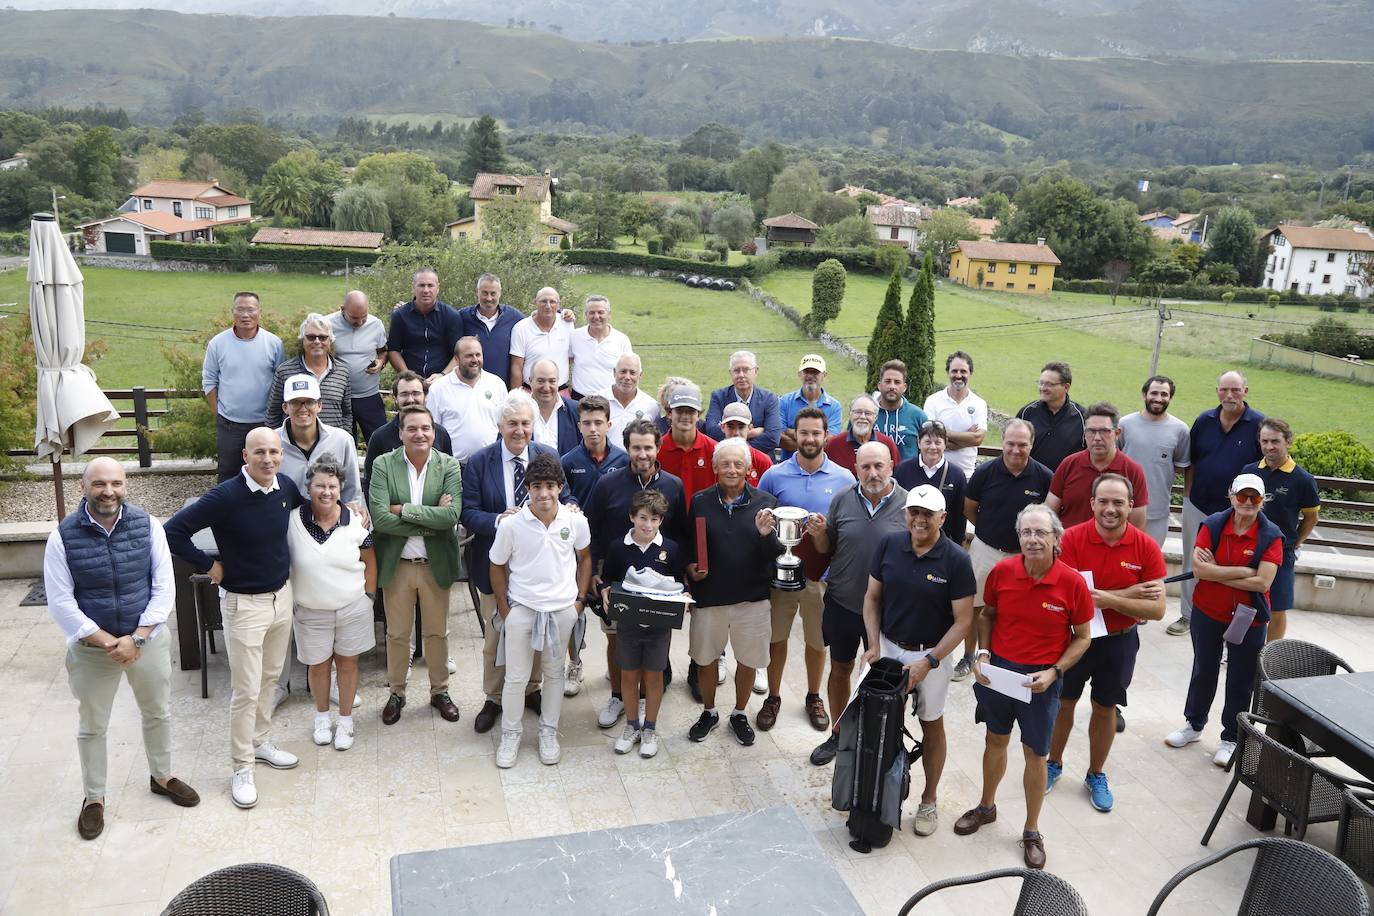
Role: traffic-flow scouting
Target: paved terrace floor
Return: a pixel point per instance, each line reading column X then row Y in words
column 425, row 783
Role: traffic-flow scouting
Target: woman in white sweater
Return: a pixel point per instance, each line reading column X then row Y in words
column 333, row 578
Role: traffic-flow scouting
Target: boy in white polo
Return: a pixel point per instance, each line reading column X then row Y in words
column 541, row 566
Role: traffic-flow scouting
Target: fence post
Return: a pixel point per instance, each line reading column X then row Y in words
column 145, row 449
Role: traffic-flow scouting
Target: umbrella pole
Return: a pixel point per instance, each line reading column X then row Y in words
column 57, row 487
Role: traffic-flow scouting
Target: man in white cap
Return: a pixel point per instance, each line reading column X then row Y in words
column 735, row 424
column 918, row 608
column 1237, row 553
column 811, row 372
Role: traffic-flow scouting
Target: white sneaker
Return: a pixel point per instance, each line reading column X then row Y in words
column 761, row 681
column 549, row 751
column 275, row 757
column 1225, row 750
column 343, row 735
column 648, row 742
column 628, row 738
column 509, row 749
column 615, row 708
column 279, row 695
column 1183, row 737
column 572, row 684
column 242, row 790
column 452, row 665
column 324, row 729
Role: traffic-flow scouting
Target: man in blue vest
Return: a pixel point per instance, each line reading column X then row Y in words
column 108, row 575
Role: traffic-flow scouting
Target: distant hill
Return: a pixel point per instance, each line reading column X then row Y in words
column 319, row 69
column 1216, row 29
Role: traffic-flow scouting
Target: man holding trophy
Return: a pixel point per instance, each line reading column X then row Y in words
column 805, row 484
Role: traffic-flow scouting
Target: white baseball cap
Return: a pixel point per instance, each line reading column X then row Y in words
column 926, row 497
column 301, row 386
column 736, row 413
column 1248, row 482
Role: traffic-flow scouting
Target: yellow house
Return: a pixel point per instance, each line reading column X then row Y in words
column 1004, row 266
column 534, row 191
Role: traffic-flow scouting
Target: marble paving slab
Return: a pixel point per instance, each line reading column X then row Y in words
column 765, row 860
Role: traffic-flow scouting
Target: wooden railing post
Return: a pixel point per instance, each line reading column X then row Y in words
column 145, row 448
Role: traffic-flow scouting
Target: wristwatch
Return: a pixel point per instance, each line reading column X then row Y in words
column 1058, row 672
column 139, row 641
column 934, row 662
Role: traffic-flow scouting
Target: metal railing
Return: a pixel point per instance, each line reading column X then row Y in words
column 140, row 413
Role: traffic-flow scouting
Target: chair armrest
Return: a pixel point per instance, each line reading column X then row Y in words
column 956, row 882
column 1198, row 866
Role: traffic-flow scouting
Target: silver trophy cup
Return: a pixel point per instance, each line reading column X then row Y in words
column 791, row 524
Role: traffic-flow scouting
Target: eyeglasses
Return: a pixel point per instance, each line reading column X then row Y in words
column 1249, row 499
column 863, row 413
column 1094, row 432
column 1034, row 532
column 317, row 338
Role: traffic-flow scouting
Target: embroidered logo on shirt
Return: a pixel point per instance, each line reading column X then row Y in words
column 565, row 533
column 1246, row 552
column 931, row 577
column 1051, row 606
column 1133, row 567
column 488, row 394
column 639, row 415
column 663, row 556
column 1031, row 492
column 701, row 462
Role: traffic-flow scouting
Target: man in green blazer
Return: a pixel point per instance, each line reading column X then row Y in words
column 414, row 496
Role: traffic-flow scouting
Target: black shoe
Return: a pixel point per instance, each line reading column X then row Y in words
column 744, row 732
column 825, row 751
column 391, row 712
column 704, row 726
column 445, row 705
column 534, row 702
column 693, row 682
column 486, row 717
column 1120, row 721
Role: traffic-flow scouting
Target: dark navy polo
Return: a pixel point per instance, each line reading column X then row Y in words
column 425, row 342
column 1291, row 493
column 1057, row 435
column 1000, row 495
column 1219, row 455
column 919, row 592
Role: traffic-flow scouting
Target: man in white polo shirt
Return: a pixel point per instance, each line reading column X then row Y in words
column 467, row 402
column 595, row 349
column 964, row 414
column 541, row 566
column 543, row 335
column 627, row 402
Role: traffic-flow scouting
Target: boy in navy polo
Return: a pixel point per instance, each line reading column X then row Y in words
column 642, row 651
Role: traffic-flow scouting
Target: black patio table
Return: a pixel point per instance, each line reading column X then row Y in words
column 1335, row 711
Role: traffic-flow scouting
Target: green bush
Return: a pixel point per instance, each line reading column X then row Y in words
column 655, row 246
column 1334, row 454
column 891, row 258
column 827, row 295
column 1330, row 336
column 1273, row 300
column 238, row 254
column 592, row 257
column 1258, row 295
column 14, row 243
column 1228, row 297
column 750, row 248
column 18, row 387
column 564, row 244
column 860, row 259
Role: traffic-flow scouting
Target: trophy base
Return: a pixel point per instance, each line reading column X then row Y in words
column 789, row 583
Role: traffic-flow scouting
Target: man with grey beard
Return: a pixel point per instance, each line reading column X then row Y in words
column 843, row 447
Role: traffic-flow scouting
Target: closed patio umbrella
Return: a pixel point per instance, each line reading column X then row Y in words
column 72, row 410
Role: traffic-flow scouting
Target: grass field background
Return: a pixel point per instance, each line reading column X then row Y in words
column 691, row 332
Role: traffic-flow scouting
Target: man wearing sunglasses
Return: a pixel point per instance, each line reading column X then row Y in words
column 335, row 388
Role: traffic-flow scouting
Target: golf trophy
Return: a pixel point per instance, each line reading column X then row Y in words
column 791, row 524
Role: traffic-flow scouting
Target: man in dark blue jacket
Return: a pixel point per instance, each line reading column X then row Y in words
column 494, row 490
column 762, row 403
column 490, row 320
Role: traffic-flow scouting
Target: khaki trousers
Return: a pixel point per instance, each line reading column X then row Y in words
column 94, row 679
column 494, row 678
column 414, row 580
column 256, row 630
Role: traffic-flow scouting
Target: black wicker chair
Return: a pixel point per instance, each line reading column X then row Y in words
column 254, row 889
column 208, row 620
column 1042, row 894
column 1301, row 790
column 1286, row 658
column 1289, row 877
column 1355, row 837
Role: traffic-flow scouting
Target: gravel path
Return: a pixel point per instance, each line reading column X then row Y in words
column 160, row 494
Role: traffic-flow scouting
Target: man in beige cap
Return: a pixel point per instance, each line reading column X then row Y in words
column 735, row 423
column 811, row 372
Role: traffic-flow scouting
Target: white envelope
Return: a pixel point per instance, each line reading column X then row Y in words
column 1007, row 682
column 1098, row 626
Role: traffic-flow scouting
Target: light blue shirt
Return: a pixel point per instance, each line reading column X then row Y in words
column 793, row 486
column 791, row 403
column 242, row 372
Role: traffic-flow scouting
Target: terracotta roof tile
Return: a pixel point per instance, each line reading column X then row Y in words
column 1008, row 251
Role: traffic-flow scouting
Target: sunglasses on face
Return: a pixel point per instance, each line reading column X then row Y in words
column 1249, row 498
column 317, row 338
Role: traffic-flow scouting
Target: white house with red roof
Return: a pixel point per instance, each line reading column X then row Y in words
column 1316, row 261
column 180, row 211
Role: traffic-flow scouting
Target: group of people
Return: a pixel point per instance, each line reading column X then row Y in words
column 530, row 438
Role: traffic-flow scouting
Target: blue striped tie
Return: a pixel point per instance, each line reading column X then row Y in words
column 522, row 492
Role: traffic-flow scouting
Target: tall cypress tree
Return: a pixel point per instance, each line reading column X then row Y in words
column 886, row 341
column 485, row 152
column 918, row 335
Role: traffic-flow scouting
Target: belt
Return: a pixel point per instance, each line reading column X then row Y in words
column 907, row 647
column 418, row 561
column 1129, row 629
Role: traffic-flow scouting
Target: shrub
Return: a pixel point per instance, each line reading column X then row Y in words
column 14, row 243
column 827, row 295
column 564, row 243
column 1228, row 297
column 590, row 257
column 886, row 340
column 749, row 248
column 238, row 254
column 1334, row 454
column 654, row 246
column 860, row 259
column 18, row 387
column 1327, row 303
column 1273, row 300
column 891, row 258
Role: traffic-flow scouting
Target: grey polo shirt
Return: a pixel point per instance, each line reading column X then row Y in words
column 355, row 348
column 1158, row 446
column 854, row 534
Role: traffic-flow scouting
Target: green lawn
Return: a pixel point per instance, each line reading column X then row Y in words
column 685, row 250
column 1110, row 356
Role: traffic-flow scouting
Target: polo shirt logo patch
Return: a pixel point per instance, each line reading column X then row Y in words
column 1051, row 606
column 970, row 410
column 565, row 533
column 639, row 415
column 931, row 577
column 488, row 394
column 1281, row 491
column 1133, row 567
column 701, row 462
column 1031, row 492
column 1249, row 552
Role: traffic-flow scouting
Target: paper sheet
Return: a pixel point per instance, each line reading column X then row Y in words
column 1098, row 626
column 1007, row 682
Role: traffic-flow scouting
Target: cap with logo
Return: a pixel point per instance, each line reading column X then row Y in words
column 926, row 497
column 1248, row 482
column 685, row 396
column 812, row 361
column 736, row 413
column 301, row 386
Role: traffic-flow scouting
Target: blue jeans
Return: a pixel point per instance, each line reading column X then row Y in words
column 1242, row 663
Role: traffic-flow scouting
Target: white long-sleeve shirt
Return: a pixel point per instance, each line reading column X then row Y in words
column 57, row 580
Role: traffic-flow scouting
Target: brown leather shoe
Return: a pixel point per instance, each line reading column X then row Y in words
column 815, row 711
column 973, row 818
column 391, row 712
column 768, row 715
column 91, row 823
column 179, row 792
column 534, row 702
column 447, row 708
column 1034, row 845
column 486, row 717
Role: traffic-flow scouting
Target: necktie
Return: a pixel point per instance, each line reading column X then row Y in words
column 522, row 493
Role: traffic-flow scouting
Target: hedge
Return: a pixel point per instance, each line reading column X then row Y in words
column 1259, row 295
column 295, row 258
column 861, row 259
column 597, row 257
column 14, row 243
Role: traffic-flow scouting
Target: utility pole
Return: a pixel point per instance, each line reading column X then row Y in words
column 1161, row 314
column 54, row 208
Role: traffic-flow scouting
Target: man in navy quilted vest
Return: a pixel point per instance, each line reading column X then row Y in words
column 108, row 575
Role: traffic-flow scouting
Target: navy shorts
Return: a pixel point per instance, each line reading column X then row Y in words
column 843, row 631
column 642, row 648
column 1034, row 719
column 1110, row 663
column 1281, row 591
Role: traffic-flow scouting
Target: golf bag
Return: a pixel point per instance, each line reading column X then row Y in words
column 873, row 764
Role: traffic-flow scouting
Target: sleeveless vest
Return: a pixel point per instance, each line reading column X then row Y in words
column 112, row 574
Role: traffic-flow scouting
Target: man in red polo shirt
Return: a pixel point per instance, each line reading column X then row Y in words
column 843, row 447
column 1071, row 488
column 1036, row 613
column 686, row 452
column 1128, row 572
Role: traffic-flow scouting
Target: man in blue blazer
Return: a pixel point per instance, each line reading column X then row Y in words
column 493, row 490
column 762, row 403
column 555, row 415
